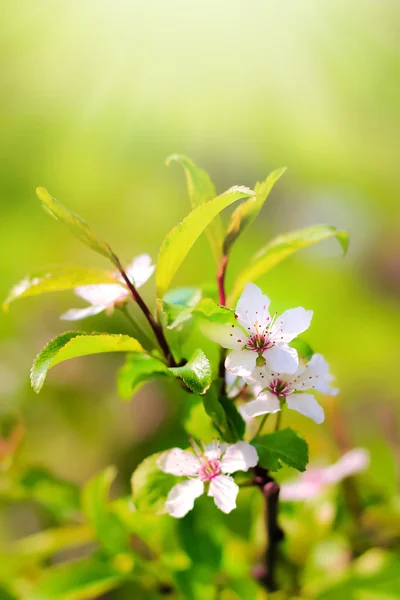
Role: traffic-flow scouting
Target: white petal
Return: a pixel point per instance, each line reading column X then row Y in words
column 225, row 335
column 239, row 457
column 315, row 374
column 233, row 384
column 140, row 269
column 179, row 462
column 252, row 306
column 282, row 359
column 214, row 450
column 241, row 362
column 182, row 496
column 224, row 491
column 294, row 321
column 102, row 294
column 74, row 314
column 306, row 405
column 352, row 462
column 265, row 403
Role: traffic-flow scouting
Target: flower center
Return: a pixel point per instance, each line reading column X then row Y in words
column 209, row 469
column 259, row 342
column 279, row 387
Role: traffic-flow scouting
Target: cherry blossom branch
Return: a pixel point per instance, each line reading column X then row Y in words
column 270, row 490
column 157, row 329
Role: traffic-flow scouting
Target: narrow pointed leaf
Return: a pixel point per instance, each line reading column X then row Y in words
column 77, row 226
column 196, row 373
column 201, row 189
column 245, row 214
column 282, row 247
column 284, row 446
column 181, row 238
column 56, row 280
column 76, row 343
column 137, row 370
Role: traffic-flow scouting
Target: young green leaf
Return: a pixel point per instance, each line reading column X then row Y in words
column 284, row 446
column 151, row 486
column 215, row 313
column 77, row 226
column 221, row 418
column 245, row 214
column 196, row 373
column 109, row 529
column 181, row 238
column 56, row 280
column 138, row 369
column 77, row 343
column 235, row 420
column 303, row 348
column 77, row 580
column 201, row 189
column 282, row 247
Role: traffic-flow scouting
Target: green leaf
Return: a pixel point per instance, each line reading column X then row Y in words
column 206, row 551
column 109, row 529
column 76, row 343
column 60, row 497
column 151, row 486
column 78, row 226
column 245, row 214
column 56, row 280
column 235, row 420
column 181, row 238
column 196, row 373
column 222, row 416
column 215, row 313
column 138, row 369
column 284, row 446
column 303, row 348
column 282, row 247
column 201, row 189
column 80, row 580
column 198, row 423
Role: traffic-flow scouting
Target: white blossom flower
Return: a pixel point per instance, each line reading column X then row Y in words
column 259, row 337
column 279, row 389
column 210, row 469
column 313, row 481
column 105, row 296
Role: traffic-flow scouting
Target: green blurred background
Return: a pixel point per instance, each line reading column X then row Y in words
column 96, row 94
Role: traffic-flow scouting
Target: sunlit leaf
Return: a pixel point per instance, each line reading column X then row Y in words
column 221, row 418
column 235, row 420
column 138, row 369
column 108, row 528
column 198, row 423
column 76, row 343
column 245, row 214
column 303, row 348
column 282, row 247
column 215, row 313
column 284, row 446
column 151, row 486
column 80, row 580
column 181, row 238
column 196, row 373
column 201, row 189
column 78, row 226
column 57, row 279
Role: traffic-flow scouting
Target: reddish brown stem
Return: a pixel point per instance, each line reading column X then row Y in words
column 158, row 331
column 221, row 279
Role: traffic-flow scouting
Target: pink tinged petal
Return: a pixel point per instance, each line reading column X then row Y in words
column 179, row 462
column 181, row 498
column 252, row 306
column 239, row 457
column 282, row 359
column 214, row 451
column 75, row 314
column 300, row 490
column 306, row 405
column 224, row 491
column 265, row 403
column 352, row 462
column 225, row 335
column 241, row 362
column 140, row 269
column 102, row 294
column 293, row 322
